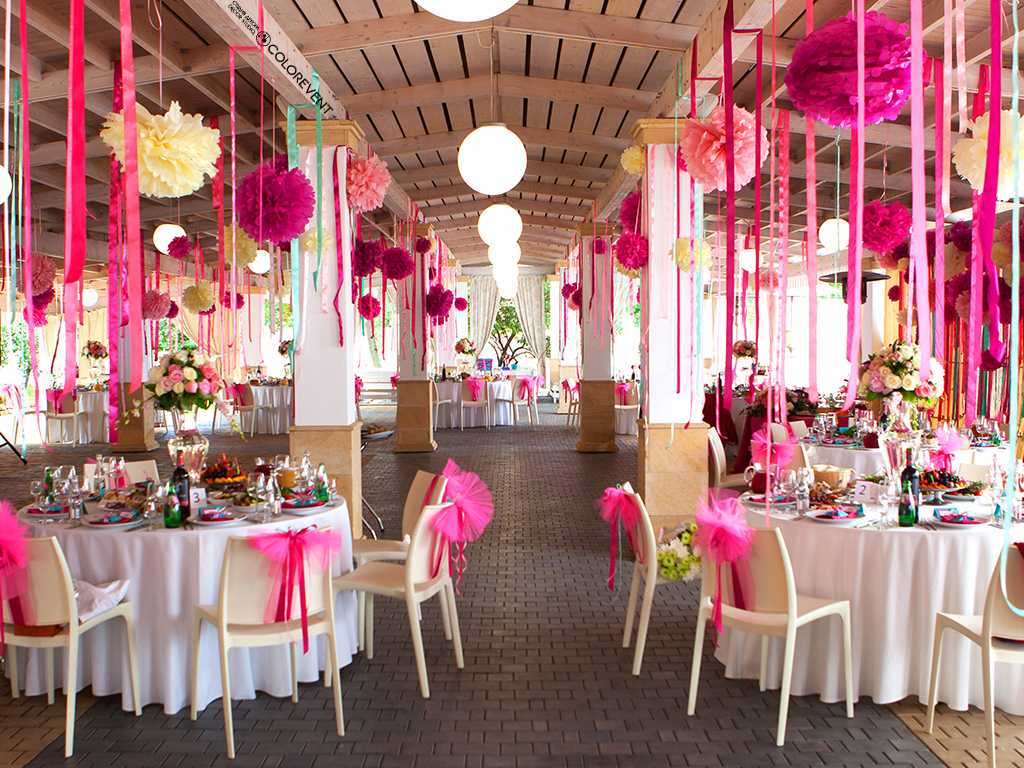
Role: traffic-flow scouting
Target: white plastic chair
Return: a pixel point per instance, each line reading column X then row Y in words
column 572, row 414
column 438, row 402
column 718, row 464
column 246, row 584
column 52, row 597
column 466, row 401
column 414, row 582
column 516, row 402
column 69, row 414
column 632, row 404
column 137, row 471
column 994, row 631
column 780, row 613
column 800, row 429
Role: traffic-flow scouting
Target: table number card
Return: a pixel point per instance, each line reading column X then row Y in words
column 197, row 497
column 867, row 491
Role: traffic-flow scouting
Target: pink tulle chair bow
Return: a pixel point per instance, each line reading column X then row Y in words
column 476, row 388
column 617, row 508
column 778, row 453
column 394, row 381
column 622, row 392
column 359, row 387
column 527, row 387
column 950, row 441
column 724, row 536
column 287, row 552
column 13, row 564
column 465, row 519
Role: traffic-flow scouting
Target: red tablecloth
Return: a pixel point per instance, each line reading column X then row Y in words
column 752, row 424
column 724, row 424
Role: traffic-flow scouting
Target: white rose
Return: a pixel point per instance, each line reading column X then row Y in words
column 885, row 372
column 160, row 388
column 155, row 374
column 178, row 388
column 891, row 381
column 908, row 382
column 198, row 357
column 908, row 352
column 865, row 378
column 189, row 373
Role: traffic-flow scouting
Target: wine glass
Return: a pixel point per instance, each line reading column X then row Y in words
column 38, row 491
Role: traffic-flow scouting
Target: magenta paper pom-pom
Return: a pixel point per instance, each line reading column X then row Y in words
column 44, row 271
column 173, row 311
column 43, row 299
column 631, row 250
column 886, row 225
column 575, row 298
column 461, row 304
column 629, row 212
column 954, row 287
column 895, row 292
column 180, row 248
column 600, row 246
column 155, row 305
column 961, row 234
column 423, row 245
column 239, row 302
column 822, row 78
column 567, row 290
column 369, row 306
column 287, row 202
column 702, row 148
column 366, row 258
column 397, row 264
column 366, row 181
column 208, row 311
column 439, row 302
column 38, row 314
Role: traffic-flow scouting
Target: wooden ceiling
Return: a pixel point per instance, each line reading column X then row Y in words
column 571, row 78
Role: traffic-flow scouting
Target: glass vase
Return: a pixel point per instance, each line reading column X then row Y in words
column 190, row 443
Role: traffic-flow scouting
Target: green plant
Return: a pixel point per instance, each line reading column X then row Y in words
column 507, row 335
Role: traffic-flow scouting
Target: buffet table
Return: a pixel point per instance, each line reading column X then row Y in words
column 171, row 572
column 896, row 580
column 501, row 413
column 273, row 408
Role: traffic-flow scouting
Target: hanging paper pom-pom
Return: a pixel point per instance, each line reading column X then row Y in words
column 633, row 160
column 822, row 78
column 176, row 151
column 369, row 306
column 180, row 248
column 768, row 278
column 895, row 292
column 438, row 302
column 600, row 246
column 629, row 211
column 1002, row 246
column 423, row 245
column 244, row 246
column 155, row 305
column 38, row 314
column 461, row 304
column 701, row 254
column 702, row 148
column 45, row 298
column 397, row 264
column 576, row 299
column 366, row 258
column 366, row 180
column 209, row 310
column 632, row 274
column 173, row 311
column 307, row 241
column 275, row 202
column 631, row 251
column 955, row 261
column 568, row 289
column 989, row 362
column 969, row 154
column 239, row 300
column 886, row 225
column 44, row 272
column 961, row 234
column 198, row 298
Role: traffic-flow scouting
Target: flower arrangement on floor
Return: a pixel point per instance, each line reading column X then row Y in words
column 896, row 369
column 677, row 558
column 798, row 402
column 185, row 381
column 95, row 350
column 465, row 346
column 745, row 348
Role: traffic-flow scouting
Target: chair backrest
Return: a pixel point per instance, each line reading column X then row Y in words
column 61, row 404
column 242, row 394
column 799, row 428
column 248, row 584
column 435, row 394
column 51, row 596
column 139, row 471
column 716, row 454
column 644, row 539
column 427, row 489
column 999, row 621
column 769, row 569
column 974, row 473
column 467, row 394
column 779, row 433
column 426, row 550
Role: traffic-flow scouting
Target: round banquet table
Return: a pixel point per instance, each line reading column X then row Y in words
column 170, row 573
column 501, row 413
column 93, row 406
column 274, row 408
column 863, row 461
column 896, row 580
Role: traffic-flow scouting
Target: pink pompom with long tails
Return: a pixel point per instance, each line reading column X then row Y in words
column 724, row 536
column 781, row 452
column 468, row 513
column 13, row 564
column 616, row 507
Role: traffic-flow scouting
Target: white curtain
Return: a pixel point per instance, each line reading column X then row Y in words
column 483, row 309
column 530, row 307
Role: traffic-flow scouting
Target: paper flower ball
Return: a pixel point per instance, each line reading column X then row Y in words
column 44, row 272
column 600, row 246
column 955, row 260
column 961, row 234
column 895, row 292
column 969, row 154
column 568, row 289
column 438, row 302
column 239, row 300
column 632, row 274
column 989, row 362
column 45, row 298
column 198, row 298
column 275, row 203
column 366, row 181
column 461, row 304
column 180, row 248
column 576, row 300
column 633, row 160
column 423, row 245
column 38, row 314
column 155, row 305
column 629, row 211
column 244, row 246
column 701, row 254
column 702, row 148
column 176, row 151
column 209, row 310
column 822, row 77
column 397, row 264
column 307, row 241
column 173, row 311
column 631, row 250
column 366, row 258
column 369, row 306
column 886, row 225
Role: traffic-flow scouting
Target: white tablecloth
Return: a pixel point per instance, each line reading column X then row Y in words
column 274, row 412
column 863, row 461
column 172, row 571
column 501, row 413
column 896, row 580
column 94, row 424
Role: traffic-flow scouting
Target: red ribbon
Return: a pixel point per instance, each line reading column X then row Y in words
column 730, row 196
column 339, row 248
column 617, row 507
column 114, row 294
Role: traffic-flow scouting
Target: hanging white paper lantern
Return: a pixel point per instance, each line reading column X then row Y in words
column 163, row 235
column 507, row 278
column 260, row 265
column 508, row 290
column 504, row 253
column 466, row 10
column 90, row 297
column 500, row 223
column 748, row 259
column 492, row 159
column 834, row 235
column 6, row 185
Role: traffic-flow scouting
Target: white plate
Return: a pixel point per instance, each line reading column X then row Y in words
column 47, row 518
column 762, row 503
column 841, row 521
column 115, row 526
column 954, row 498
column 958, row 526
column 304, row 511
column 227, row 523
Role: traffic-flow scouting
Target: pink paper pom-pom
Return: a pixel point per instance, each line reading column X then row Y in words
column 155, row 305
column 629, row 212
column 366, row 181
column 600, row 246
column 895, row 292
column 989, row 362
column 369, row 306
column 423, row 245
column 287, row 206
column 961, row 234
column 208, row 311
column 173, row 311
column 45, row 298
column 180, row 248
column 39, row 305
column 576, row 299
column 886, row 225
column 568, row 289
column 366, row 258
column 461, row 304
column 723, row 534
column 397, row 264
column 239, row 300
column 439, row 302
column 631, row 250
column 822, row 78
column 702, row 148
column 44, row 271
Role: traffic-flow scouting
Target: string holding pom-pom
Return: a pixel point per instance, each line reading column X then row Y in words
column 397, row 264
column 275, row 202
column 629, row 211
column 366, row 183
column 369, row 306
column 155, row 305
column 886, row 225
column 180, row 248
column 366, row 258
column 631, row 250
column 702, row 148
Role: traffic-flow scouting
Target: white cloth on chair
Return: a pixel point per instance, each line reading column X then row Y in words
column 94, row 599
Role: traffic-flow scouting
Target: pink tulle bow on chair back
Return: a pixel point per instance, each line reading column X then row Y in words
column 527, row 387
column 949, row 442
column 617, row 508
column 466, row 518
column 724, row 537
column 13, row 567
column 622, row 392
column 777, row 453
column 475, row 387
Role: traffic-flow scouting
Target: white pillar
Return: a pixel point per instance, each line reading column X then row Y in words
column 597, row 389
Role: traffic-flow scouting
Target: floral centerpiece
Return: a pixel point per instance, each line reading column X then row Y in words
column 677, row 559
column 95, row 350
column 745, row 348
column 896, row 369
column 465, row 346
column 798, row 402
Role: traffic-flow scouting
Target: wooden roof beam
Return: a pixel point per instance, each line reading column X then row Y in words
column 476, row 206
column 524, row 187
column 536, row 136
column 539, row 168
column 46, row 23
column 528, row 220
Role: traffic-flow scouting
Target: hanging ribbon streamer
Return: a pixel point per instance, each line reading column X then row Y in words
column 918, row 243
column 339, row 243
column 730, row 199
column 115, row 303
column 811, row 173
column 26, row 196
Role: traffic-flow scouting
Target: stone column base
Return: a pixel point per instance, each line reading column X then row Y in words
column 339, row 450
column 414, row 419
column 135, row 430
column 673, row 472
column 597, row 416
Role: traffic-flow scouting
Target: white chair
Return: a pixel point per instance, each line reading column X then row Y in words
column 414, row 582
column 516, row 401
column 718, row 465
column 630, row 407
column 52, row 596
column 245, row 586
column 423, row 492
column 438, row 402
column 974, row 473
column 67, row 412
column 572, row 414
column 780, row 435
column 466, row 401
column 780, row 612
column 137, row 471
column 800, row 429
column 998, row 631
column 244, row 402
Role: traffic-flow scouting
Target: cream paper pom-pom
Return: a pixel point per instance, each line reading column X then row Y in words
column 245, row 246
column 632, row 274
column 969, row 154
column 307, row 241
column 955, row 261
column 198, row 298
column 702, row 258
column 633, row 160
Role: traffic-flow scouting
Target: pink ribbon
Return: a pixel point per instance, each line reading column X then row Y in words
column 730, row 195
column 949, row 442
column 288, row 552
column 617, row 507
column 394, row 381
column 475, row 387
column 723, row 536
column 339, row 248
column 918, row 245
column 114, row 295
column 622, row 392
column 941, row 196
column 359, row 387
column 853, row 264
column 468, row 511
column 527, row 387
column 13, row 563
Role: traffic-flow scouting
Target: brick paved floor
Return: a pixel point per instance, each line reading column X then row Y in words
column 546, row 681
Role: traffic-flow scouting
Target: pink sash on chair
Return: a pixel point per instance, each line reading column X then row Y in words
column 617, row 507
column 242, row 394
column 476, row 388
column 56, row 403
column 527, row 387
column 622, row 390
column 13, row 569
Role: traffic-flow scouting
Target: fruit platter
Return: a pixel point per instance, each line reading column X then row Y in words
column 223, row 473
column 941, row 481
column 969, row 492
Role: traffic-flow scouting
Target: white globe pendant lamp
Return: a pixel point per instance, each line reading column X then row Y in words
column 90, row 297
column 261, row 264
column 6, row 185
column 466, row 10
column 492, row 159
column 500, row 223
column 834, row 235
column 163, row 235
column 504, row 253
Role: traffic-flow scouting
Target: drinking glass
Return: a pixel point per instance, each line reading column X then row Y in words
column 38, row 490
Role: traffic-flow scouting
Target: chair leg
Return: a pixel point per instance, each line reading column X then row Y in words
column 295, row 672
column 990, row 708
column 446, row 621
column 641, row 630
column 417, row 647
column 698, row 653
column 71, row 686
column 762, row 680
column 332, row 665
column 133, row 664
column 634, row 589
column 933, row 684
column 848, row 661
column 787, row 679
column 456, row 634
column 194, row 705
column 48, row 660
column 12, row 666
column 462, row 418
column 225, row 684
column 369, row 625
column 361, row 618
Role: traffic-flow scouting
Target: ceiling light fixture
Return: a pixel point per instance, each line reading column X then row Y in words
column 163, row 235
column 466, row 10
column 500, row 223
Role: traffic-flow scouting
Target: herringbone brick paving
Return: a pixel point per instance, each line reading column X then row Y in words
column 546, row 682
